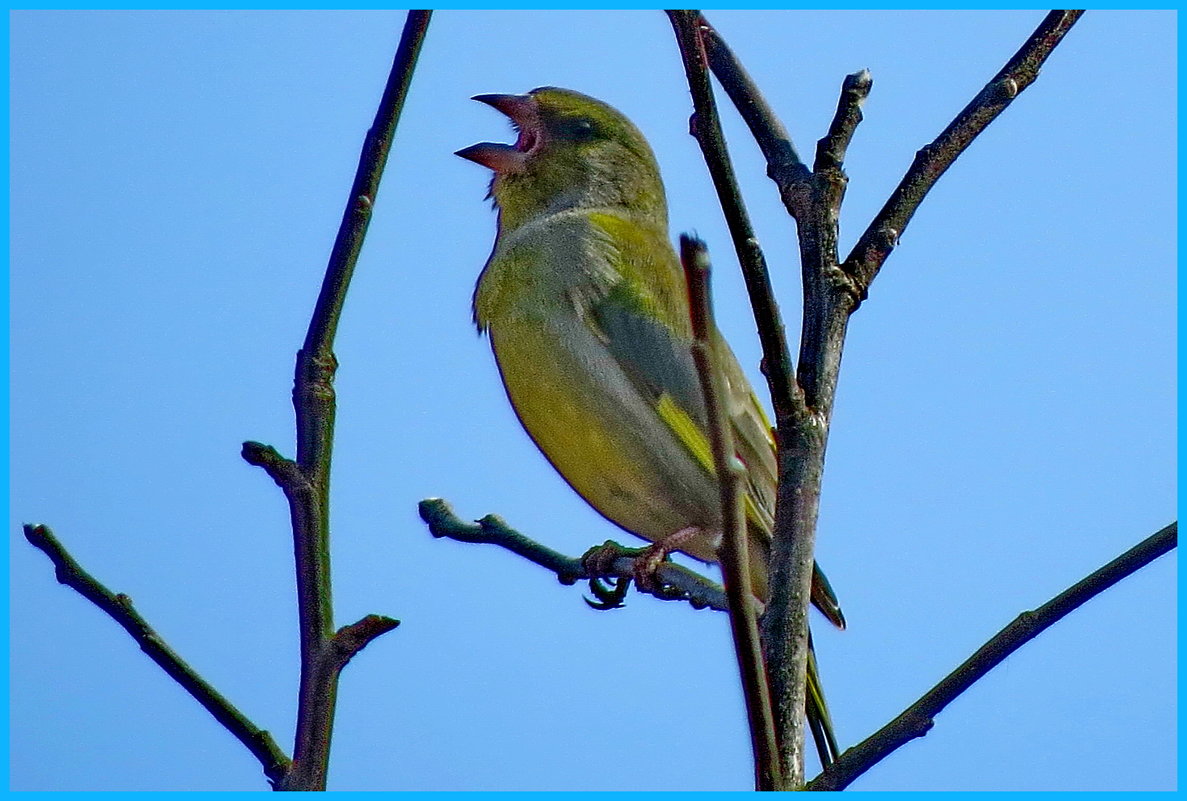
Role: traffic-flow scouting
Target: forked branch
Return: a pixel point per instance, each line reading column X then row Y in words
column 305, row 481
column 831, row 292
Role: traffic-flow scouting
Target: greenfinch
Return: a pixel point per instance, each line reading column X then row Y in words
column 586, row 307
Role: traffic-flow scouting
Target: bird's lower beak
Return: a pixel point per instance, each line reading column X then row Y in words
column 525, row 116
column 496, row 156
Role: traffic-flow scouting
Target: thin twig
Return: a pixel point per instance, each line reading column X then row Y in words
column 119, row 607
column 783, row 163
column 306, row 481
column 916, row 720
column 827, row 304
column 799, row 436
column 829, row 298
column 733, row 552
column 699, row 591
column 706, row 128
column 285, row 472
column 884, row 232
column 919, row 718
column 351, row 639
column 830, row 151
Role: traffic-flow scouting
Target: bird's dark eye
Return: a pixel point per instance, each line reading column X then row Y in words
column 578, row 129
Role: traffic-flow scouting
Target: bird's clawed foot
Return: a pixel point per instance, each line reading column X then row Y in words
column 599, row 561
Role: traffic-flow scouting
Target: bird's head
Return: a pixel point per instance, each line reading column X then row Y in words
column 572, row 152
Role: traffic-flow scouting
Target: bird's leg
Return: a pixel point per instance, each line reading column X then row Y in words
column 651, row 557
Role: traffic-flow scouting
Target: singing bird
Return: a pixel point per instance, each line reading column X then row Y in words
column 585, row 304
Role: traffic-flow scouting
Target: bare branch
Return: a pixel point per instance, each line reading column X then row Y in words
column 733, row 551
column 884, row 232
column 830, row 151
column 912, row 723
column 699, row 591
column 306, row 482
column 783, row 163
column 706, row 128
column 831, row 293
column 285, row 472
column 119, row 607
column 920, row 717
column 801, row 430
column 357, row 216
column 349, row 640
column 829, row 298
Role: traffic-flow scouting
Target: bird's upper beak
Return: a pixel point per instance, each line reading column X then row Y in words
column 525, row 116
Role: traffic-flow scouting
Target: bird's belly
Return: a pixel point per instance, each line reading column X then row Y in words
column 602, row 436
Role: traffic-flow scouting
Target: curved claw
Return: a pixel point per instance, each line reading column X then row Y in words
column 609, row 596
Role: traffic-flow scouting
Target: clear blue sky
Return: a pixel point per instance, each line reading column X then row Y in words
column 1005, row 422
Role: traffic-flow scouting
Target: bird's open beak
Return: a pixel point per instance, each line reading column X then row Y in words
column 502, row 158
